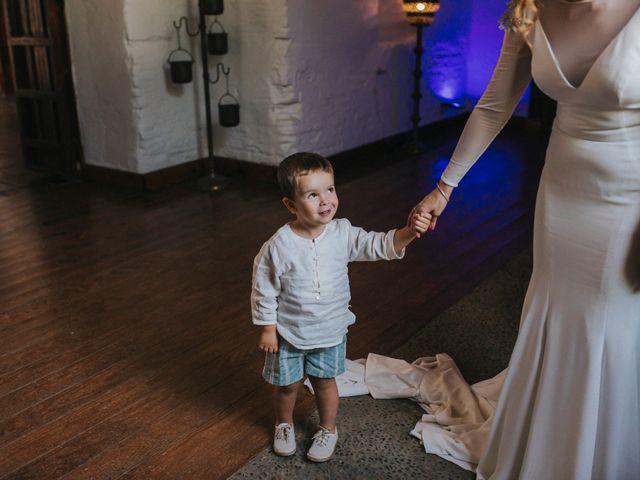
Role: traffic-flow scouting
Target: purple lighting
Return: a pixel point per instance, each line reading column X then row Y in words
column 445, row 62
column 462, row 47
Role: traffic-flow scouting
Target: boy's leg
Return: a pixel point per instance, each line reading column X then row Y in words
column 322, row 366
column 284, row 401
column 284, row 437
column 284, row 370
column 326, row 438
column 327, row 401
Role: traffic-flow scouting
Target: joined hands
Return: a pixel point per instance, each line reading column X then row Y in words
column 429, row 209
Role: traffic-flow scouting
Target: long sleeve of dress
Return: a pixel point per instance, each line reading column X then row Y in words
column 510, row 78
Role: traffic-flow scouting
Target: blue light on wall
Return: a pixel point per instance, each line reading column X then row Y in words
column 445, row 62
column 446, row 72
column 462, row 48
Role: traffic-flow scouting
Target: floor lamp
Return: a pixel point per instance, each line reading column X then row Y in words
column 419, row 14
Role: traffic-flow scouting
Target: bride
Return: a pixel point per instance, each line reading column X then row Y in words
column 569, row 403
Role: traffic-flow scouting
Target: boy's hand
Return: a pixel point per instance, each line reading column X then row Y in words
column 420, row 223
column 268, row 339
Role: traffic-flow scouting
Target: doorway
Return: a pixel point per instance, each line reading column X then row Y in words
column 36, row 71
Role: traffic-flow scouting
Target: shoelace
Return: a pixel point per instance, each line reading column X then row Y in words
column 283, row 433
column 322, row 437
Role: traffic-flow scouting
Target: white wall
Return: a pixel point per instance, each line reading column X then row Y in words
column 350, row 65
column 102, row 69
column 166, row 114
column 171, row 118
column 324, row 75
column 134, row 118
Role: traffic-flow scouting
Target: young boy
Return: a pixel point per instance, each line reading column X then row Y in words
column 300, row 295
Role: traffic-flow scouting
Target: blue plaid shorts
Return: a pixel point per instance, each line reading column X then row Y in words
column 289, row 364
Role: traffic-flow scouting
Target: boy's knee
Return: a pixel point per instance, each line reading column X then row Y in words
column 322, row 383
column 288, row 389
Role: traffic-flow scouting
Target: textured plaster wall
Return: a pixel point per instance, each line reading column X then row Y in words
column 171, row 118
column 166, row 115
column 102, row 69
column 322, row 75
column 134, row 118
column 447, row 46
column 350, row 69
column 485, row 40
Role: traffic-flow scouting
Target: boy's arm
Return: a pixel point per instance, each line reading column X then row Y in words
column 268, row 339
column 264, row 298
column 402, row 237
column 371, row 246
column 417, row 224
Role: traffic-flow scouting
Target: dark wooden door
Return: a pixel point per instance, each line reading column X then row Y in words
column 39, row 59
column 6, row 79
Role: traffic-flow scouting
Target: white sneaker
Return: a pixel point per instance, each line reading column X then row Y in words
column 284, row 440
column 323, row 446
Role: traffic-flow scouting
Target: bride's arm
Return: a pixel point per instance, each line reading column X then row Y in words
column 510, row 78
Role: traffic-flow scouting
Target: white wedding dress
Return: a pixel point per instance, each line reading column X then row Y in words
column 568, row 406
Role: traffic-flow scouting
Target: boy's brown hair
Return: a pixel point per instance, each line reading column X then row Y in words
column 299, row 164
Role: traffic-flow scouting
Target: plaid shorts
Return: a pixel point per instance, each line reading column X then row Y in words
column 289, row 364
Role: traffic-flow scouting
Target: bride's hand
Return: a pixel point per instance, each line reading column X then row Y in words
column 434, row 203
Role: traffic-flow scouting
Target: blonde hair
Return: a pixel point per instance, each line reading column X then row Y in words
column 520, row 16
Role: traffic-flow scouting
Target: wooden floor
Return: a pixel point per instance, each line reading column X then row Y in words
column 126, row 344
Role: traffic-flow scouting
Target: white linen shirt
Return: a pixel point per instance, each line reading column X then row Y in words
column 302, row 285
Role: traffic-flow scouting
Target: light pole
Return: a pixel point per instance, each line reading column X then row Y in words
column 419, row 14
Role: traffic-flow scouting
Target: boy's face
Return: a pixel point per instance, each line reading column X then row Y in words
column 315, row 201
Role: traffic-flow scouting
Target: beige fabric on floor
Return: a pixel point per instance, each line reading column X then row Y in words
column 458, row 416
